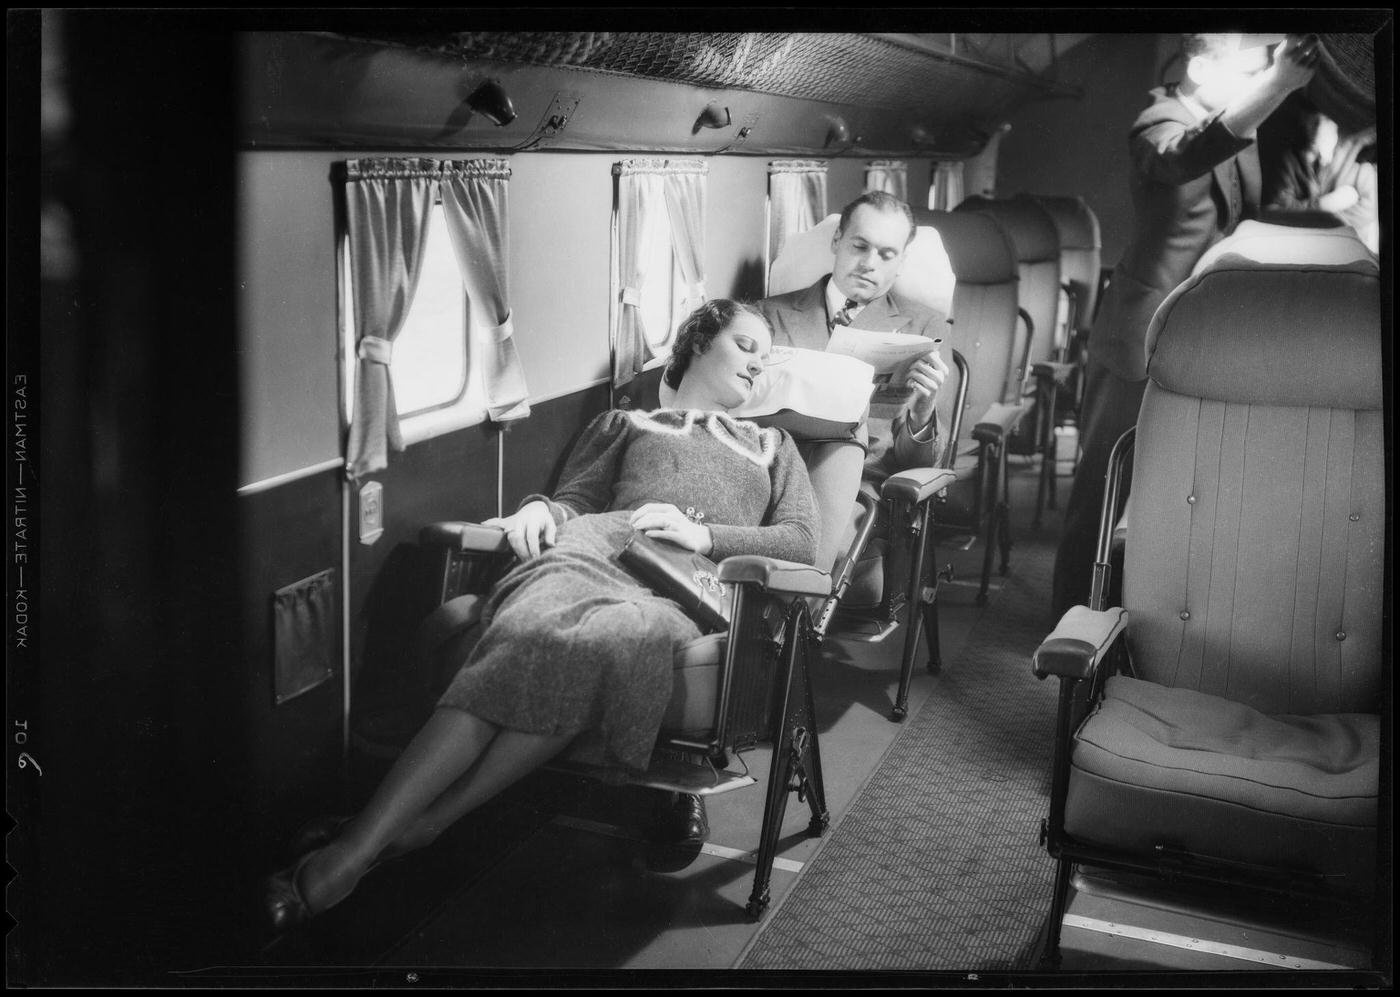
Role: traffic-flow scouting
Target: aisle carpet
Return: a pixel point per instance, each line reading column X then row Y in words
column 937, row 866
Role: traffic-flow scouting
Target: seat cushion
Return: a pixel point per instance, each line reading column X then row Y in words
column 1154, row 765
column 695, row 686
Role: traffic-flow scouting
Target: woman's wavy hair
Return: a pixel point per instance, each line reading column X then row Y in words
column 699, row 330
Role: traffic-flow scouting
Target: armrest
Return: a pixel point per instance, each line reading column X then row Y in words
column 465, row 537
column 918, row 484
column 1075, row 647
column 772, row 575
column 997, row 422
column 1060, row 372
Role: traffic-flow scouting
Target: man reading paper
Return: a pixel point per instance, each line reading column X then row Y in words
column 869, row 247
column 901, row 428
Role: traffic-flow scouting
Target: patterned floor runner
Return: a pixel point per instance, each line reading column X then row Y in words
column 937, row 866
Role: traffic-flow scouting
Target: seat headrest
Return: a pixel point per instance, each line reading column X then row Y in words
column 805, row 257
column 1076, row 223
column 925, row 277
column 1032, row 230
column 1286, row 243
column 1289, row 334
column 978, row 247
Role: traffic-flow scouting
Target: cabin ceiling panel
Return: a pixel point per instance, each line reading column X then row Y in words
column 783, row 94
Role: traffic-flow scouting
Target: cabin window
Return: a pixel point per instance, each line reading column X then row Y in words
column 890, row 176
column 946, row 191
column 658, row 258
column 430, row 353
column 427, row 324
column 434, row 386
column 796, row 201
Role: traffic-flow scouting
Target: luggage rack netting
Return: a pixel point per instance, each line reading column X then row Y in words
column 839, row 68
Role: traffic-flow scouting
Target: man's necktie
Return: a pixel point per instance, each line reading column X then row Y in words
column 846, row 314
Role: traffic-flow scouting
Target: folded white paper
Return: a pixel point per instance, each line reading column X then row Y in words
column 886, row 352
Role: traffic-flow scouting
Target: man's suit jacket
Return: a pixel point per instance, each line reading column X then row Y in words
column 1192, row 182
column 799, row 319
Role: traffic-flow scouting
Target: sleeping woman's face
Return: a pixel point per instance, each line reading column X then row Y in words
column 726, row 372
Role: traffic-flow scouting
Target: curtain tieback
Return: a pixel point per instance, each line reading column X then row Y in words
column 496, row 333
column 376, row 350
column 697, row 291
column 632, row 296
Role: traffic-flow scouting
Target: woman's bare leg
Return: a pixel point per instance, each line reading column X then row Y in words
column 447, row 746
column 456, row 762
column 510, row 756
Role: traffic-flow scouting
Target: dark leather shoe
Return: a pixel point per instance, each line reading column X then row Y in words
column 283, row 903
column 685, row 820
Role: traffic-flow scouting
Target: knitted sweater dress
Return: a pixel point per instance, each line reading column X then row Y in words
column 574, row 644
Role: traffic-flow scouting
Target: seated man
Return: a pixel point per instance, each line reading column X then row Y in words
column 869, row 247
column 1334, row 174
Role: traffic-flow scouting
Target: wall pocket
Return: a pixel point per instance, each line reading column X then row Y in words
column 304, row 629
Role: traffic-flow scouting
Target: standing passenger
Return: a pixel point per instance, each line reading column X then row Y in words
column 1195, row 176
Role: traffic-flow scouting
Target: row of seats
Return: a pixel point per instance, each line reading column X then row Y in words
column 752, row 683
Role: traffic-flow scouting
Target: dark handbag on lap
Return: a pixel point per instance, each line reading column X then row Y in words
column 688, row 578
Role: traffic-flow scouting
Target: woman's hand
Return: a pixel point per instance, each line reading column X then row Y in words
column 663, row 521
column 529, row 531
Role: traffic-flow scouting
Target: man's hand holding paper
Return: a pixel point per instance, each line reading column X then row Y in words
column 908, row 368
column 925, row 376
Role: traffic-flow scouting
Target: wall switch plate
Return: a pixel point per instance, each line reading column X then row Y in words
column 371, row 512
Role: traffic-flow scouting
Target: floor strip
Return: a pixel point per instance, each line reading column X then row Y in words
column 1276, row 959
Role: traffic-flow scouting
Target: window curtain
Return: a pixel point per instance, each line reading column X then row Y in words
column 946, row 191
column 684, row 185
column 474, row 201
column 796, row 200
column 387, row 207
column 889, row 175
column 641, row 204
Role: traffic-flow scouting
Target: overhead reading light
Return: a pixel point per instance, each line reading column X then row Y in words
column 713, row 116
column 492, row 102
column 838, row 133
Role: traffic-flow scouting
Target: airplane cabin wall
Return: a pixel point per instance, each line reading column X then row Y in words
column 1080, row 147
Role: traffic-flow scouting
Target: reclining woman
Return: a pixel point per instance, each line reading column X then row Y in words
column 575, row 650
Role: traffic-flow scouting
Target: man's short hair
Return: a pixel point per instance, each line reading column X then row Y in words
column 880, row 201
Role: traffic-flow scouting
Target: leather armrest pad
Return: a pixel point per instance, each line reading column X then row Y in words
column 772, row 575
column 464, row 537
column 1075, row 647
column 917, row 484
column 997, row 422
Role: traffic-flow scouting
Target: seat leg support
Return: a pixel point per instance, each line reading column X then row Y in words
column 920, row 605
column 796, row 763
column 1050, row 957
column 995, row 461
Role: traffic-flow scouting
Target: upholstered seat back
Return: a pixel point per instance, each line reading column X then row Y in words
column 1254, row 561
column 983, row 315
column 1081, row 254
column 1036, row 244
